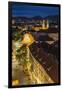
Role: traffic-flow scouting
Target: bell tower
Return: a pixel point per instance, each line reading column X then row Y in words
column 47, row 26
column 43, row 24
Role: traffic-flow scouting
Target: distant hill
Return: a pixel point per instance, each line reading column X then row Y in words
column 20, row 18
column 52, row 18
column 35, row 18
column 26, row 18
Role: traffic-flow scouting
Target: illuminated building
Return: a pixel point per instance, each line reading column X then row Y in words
column 43, row 26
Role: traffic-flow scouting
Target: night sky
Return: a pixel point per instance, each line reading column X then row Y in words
column 30, row 11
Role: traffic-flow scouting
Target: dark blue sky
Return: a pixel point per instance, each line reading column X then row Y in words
column 30, row 11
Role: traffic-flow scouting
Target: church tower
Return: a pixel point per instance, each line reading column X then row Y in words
column 47, row 26
column 43, row 24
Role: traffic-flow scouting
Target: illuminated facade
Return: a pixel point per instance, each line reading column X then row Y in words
column 43, row 26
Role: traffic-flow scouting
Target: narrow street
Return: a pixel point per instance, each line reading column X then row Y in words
column 31, row 73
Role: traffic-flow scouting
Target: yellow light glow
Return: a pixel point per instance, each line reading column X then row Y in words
column 15, row 82
column 28, row 39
